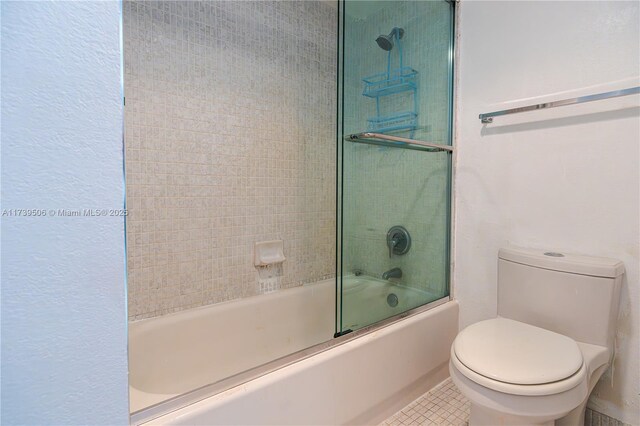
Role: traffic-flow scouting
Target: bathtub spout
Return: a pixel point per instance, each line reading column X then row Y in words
column 392, row 273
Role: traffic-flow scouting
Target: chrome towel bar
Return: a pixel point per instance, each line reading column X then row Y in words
column 396, row 142
column 488, row 117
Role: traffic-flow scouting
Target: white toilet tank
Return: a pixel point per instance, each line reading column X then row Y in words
column 577, row 296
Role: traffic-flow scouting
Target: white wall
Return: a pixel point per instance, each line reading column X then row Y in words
column 64, row 358
column 564, row 179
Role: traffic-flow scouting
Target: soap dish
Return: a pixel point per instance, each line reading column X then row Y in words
column 268, row 253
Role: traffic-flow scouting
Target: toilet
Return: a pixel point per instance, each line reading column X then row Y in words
column 537, row 362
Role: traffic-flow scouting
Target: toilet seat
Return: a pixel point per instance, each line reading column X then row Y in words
column 517, row 358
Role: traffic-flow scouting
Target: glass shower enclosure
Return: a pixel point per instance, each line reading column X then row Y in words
column 229, row 143
column 395, row 158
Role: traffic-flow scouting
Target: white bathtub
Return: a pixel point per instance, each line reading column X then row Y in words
column 176, row 353
column 364, row 300
column 358, row 381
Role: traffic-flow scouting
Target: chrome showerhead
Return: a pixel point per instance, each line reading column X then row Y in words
column 386, row 41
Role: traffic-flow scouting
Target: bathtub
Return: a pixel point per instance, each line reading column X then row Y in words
column 365, row 302
column 180, row 352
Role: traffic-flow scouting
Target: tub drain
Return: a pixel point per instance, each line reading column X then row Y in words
column 392, row 300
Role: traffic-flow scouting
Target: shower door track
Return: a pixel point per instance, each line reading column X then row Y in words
column 204, row 392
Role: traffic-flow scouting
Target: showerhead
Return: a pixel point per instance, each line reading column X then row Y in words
column 386, row 41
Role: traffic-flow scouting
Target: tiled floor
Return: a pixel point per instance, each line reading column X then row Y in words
column 442, row 405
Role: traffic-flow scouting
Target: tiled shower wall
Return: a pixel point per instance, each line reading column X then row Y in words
column 384, row 187
column 230, row 140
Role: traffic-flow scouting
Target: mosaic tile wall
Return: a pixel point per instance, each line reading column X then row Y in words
column 230, row 140
column 384, row 187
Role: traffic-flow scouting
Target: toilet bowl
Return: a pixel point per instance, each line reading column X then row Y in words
column 519, row 374
column 538, row 361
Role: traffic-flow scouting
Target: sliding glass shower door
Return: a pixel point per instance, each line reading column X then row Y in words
column 395, row 101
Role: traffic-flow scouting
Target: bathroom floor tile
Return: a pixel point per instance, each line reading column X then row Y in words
column 442, row 405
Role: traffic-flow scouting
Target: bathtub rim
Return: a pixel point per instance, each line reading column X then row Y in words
column 196, row 395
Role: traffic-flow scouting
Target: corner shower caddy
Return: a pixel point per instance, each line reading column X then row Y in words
column 393, row 81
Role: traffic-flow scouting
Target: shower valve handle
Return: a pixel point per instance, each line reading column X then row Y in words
column 398, row 240
column 392, row 245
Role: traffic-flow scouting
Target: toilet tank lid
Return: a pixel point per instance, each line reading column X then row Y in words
column 563, row 262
